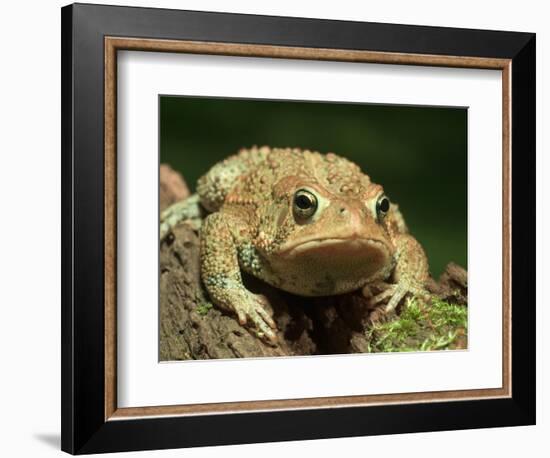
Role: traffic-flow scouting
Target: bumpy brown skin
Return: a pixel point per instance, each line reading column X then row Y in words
column 346, row 245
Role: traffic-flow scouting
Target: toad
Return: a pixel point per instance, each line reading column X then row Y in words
column 308, row 223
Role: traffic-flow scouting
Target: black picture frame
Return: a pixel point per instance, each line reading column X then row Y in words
column 84, row 428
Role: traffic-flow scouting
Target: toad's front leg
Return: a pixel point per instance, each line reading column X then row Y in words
column 221, row 276
column 410, row 274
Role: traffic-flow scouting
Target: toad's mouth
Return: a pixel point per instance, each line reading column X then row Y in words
column 336, row 247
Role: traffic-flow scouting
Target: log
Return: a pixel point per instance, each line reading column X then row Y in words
column 191, row 327
column 172, row 186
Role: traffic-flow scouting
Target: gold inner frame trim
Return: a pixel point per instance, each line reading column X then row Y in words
column 114, row 44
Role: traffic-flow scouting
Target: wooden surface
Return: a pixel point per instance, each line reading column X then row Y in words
column 112, row 44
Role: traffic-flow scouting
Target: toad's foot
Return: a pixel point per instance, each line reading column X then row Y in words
column 252, row 310
column 394, row 293
column 410, row 275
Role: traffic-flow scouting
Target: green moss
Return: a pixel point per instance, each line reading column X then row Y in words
column 203, row 308
column 422, row 327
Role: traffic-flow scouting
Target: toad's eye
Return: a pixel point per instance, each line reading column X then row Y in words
column 304, row 204
column 382, row 206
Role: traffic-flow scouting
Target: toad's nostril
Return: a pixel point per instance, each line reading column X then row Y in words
column 342, row 210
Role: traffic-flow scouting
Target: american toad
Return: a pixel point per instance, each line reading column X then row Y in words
column 308, row 223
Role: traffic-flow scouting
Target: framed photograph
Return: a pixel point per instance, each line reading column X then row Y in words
column 284, row 228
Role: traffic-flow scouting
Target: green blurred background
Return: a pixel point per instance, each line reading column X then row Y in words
column 419, row 154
